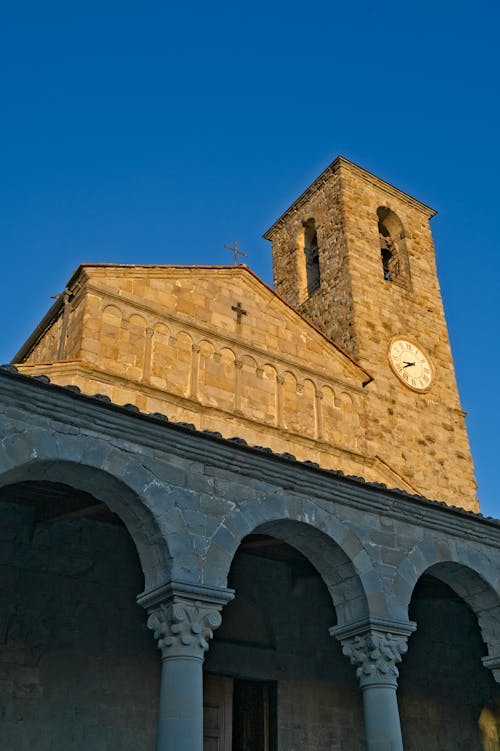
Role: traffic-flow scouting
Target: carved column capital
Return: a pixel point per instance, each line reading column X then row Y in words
column 375, row 647
column 375, row 656
column 183, row 617
column 184, row 629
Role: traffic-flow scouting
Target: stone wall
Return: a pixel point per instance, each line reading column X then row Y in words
column 167, row 340
column 63, row 337
column 442, row 689
column 46, row 349
column 423, row 434
column 78, row 668
column 331, row 307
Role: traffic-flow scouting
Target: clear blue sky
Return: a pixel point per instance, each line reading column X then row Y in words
column 155, row 132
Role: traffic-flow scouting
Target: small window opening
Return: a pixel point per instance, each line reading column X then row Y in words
column 311, row 252
column 393, row 252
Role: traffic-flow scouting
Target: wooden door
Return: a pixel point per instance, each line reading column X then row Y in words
column 217, row 713
column 252, row 716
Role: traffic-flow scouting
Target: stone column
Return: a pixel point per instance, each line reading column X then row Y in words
column 183, row 618
column 375, row 646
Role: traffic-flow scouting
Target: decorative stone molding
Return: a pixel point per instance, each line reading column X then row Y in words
column 493, row 664
column 375, row 646
column 183, row 617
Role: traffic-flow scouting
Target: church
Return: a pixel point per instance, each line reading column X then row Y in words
column 237, row 518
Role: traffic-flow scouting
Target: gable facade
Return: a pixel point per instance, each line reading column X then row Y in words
column 171, row 340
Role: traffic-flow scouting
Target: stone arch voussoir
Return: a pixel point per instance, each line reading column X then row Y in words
column 111, row 475
column 334, row 550
column 467, row 570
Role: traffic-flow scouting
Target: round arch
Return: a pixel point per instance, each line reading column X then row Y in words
column 332, row 548
column 468, row 573
column 104, row 472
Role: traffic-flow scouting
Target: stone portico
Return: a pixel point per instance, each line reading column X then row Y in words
column 189, row 500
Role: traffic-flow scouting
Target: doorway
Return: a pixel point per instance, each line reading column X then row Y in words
column 238, row 714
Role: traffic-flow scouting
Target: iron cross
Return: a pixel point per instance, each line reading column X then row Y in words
column 236, row 251
column 239, row 312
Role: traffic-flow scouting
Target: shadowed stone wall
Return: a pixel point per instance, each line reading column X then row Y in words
column 284, row 638
column 78, row 668
column 442, row 687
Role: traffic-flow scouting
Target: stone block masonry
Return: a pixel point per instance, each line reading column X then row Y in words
column 78, row 667
column 421, row 436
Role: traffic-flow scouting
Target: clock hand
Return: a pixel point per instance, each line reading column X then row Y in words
column 407, row 364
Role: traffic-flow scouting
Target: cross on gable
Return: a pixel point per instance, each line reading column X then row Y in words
column 236, row 251
column 239, row 312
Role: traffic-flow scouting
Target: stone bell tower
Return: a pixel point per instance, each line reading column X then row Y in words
column 355, row 256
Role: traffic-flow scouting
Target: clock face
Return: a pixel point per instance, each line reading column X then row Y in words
column 411, row 365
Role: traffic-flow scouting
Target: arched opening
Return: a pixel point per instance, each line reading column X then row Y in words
column 393, row 251
column 443, row 685
column 311, row 256
column 274, row 678
column 76, row 657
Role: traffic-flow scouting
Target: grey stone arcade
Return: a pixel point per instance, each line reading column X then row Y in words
column 189, row 498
